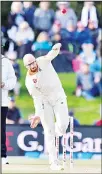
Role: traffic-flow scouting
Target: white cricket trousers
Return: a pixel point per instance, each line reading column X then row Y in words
column 58, row 111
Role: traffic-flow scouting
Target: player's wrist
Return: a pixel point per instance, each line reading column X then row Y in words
column 54, row 49
column 56, row 46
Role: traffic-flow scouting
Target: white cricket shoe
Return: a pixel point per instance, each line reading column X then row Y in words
column 55, row 165
column 4, row 161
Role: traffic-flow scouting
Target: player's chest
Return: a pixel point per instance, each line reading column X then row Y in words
column 41, row 79
column 38, row 79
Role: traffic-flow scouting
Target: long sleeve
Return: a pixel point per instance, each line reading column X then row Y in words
column 28, row 85
column 11, row 78
column 53, row 53
column 38, row 104
column 43, row 61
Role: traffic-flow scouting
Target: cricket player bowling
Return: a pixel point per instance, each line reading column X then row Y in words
column 49, row 98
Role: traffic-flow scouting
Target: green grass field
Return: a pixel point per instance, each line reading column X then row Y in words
column 30, row 165
column 85, row 111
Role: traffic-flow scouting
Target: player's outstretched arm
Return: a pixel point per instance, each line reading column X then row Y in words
column 54, row 52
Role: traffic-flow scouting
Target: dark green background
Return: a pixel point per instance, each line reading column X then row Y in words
column 77, row 6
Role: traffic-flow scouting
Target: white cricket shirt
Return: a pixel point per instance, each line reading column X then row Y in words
column 45, row 85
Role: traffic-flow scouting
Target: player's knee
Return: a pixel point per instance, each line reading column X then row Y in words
column 51, row 132
column 62, row 128
column 65, row 123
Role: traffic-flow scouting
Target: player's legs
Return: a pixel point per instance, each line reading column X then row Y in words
column 62, row 116
column 48, row 123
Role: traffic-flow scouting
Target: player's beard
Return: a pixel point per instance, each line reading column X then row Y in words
column 33, row 70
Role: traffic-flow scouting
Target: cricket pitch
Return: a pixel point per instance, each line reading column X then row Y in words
column 30, row 165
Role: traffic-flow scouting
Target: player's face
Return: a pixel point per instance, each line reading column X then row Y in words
column 33, row 66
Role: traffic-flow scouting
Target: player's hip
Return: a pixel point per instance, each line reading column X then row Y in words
column 55, row 98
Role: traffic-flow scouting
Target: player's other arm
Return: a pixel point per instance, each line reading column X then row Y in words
column 35, row 119
column 54, row 52
column 51, row 54
column 28, row 85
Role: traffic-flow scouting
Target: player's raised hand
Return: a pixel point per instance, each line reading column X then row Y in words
column 57, row 46
column 34, row 120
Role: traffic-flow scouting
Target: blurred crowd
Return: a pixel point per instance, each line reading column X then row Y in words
column 34, row 30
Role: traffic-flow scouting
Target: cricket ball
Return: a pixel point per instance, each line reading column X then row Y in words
column 63, row 10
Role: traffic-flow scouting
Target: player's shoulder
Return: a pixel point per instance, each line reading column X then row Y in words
column 40, row 60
